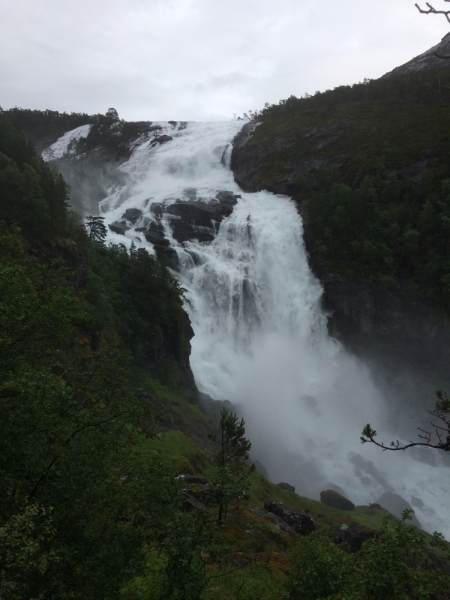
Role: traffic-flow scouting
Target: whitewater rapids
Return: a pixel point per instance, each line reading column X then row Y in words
column 261, row 336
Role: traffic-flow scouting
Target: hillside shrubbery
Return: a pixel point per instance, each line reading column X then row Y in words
column 77, row 318
column 40, row 125
column 377, row 198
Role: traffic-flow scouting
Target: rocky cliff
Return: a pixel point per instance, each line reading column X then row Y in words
column 434, row 58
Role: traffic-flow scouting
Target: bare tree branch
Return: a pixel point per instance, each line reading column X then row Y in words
column 432, row 11
column 441, row 412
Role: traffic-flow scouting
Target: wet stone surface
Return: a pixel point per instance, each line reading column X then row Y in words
column 189, row 218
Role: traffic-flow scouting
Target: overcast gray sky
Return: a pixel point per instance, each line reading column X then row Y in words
column 198, row 59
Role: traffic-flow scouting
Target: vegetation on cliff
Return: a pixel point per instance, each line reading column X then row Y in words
column 370, row 165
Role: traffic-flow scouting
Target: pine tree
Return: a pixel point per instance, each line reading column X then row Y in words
column 231, row 474
column 96, row 229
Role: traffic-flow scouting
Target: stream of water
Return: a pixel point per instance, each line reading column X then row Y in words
column 261, row 338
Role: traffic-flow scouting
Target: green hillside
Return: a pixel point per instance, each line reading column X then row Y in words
column 370, row 165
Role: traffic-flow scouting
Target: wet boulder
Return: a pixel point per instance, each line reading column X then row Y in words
column 336, row 500
column 157, row 210
column 161, row 139
column 119, row 227
column 193, row 220
column 299, row 522
column 156, row 237
column 167, row 254
column 225, row 197
column 196, row 213
column 227, row 201
column 132, row 215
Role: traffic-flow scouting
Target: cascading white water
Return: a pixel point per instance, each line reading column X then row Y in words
column 260, row 335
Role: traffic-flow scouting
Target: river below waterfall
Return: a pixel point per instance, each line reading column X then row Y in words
column 261, row 336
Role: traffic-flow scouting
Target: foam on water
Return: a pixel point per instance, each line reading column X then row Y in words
column 260, row 335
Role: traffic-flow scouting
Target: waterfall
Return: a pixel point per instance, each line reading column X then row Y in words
column 261, row 336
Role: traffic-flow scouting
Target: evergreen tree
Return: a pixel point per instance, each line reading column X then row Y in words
column 230, row 477
column 96, row 229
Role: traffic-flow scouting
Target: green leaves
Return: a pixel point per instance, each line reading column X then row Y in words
column 231, row 474
column 69, row 422
column 34, row 195
column 394, row 564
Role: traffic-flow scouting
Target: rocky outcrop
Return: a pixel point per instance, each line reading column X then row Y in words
column 132, row 214
column 197, row 219
column 286, row 486
column 120, row 227
column 212, row 408
column 298, row 521
column 435, row 57
column 373, row 321
column 335, row 500
column 188, row 218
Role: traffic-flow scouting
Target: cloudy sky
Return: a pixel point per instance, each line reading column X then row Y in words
column 199, row 59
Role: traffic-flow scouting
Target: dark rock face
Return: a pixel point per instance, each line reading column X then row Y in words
column 299, row 522
column 212, row 408
column 156, row 237
column 119, row 227
column 370, row 319
column 336, row 500
column 243, row 157
column 129, row 218
column 132, row 215
column 200, row 220
column 286, row 486
column 166, row 253
column 192, row 219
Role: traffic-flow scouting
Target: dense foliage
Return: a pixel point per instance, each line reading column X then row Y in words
column 77, row 318
column 374, row 169
column 112, row 135
column 46, row 125
column 393, row 565
column 33, row 193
